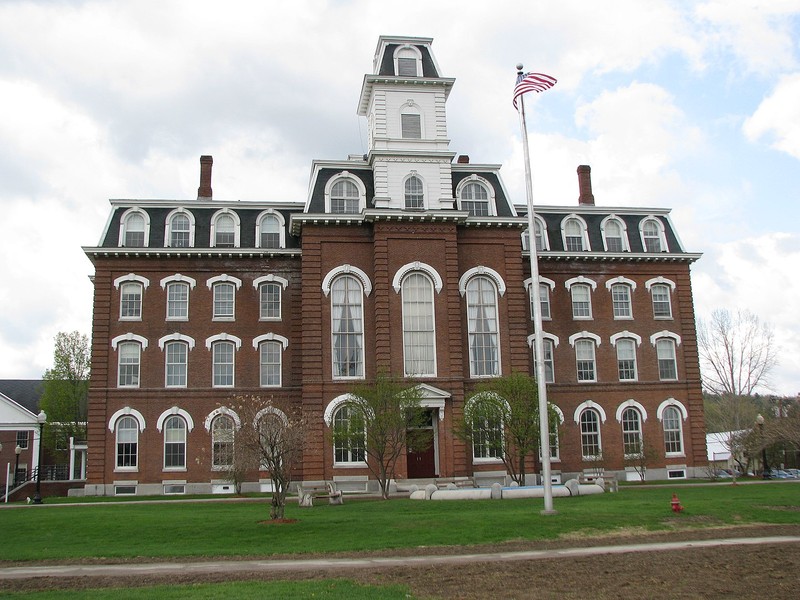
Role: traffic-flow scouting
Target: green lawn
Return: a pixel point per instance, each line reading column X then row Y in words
column 330, row 589
column 174, row 529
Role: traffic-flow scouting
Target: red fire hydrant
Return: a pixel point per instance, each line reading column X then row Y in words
column 676, row 504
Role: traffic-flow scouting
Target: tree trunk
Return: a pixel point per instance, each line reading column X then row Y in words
column 522, row 470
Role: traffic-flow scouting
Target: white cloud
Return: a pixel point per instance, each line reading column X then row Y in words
column 757, row 274
column 778, row 117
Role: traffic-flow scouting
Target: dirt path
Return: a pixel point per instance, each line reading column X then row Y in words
column 680, row 566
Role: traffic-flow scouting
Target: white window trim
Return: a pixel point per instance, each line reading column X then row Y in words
column 131, row 277
column 583, row 281
column 123, row 222
column 171, row 412
column 222, row 410
column 223, row 337
column 281, row 229
column 489, row 188
column 224, row 278
column 585, row 405
column 411, row 108
column 557, row 457
column 626, row 247
column 129, row 337
column 175, row 337
column 631, row 404
column 584, row 232
column 258, row 282
column 178, row 278
column 548, row 336
column 397, row 281
column 649, row 284
column 362, row 190
column 623, row 281
column 126, row 412
column 661, row 232
column 545, row 239
column 586, row 335
column 542, row 281
column 366, row 284
column 481, row 270
column 236, row 227
column 626, row 335
column 580, row 279
column 270, row 337
column 659, row 280
column 665, row 334
column 474, row 398
column 168, row 224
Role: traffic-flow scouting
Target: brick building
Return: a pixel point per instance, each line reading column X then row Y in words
column 407, row 259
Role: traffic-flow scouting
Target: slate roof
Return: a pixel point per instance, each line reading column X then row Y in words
column 25, row 392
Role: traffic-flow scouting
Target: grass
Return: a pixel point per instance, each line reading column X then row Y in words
column 329, row 589
column 219, row 529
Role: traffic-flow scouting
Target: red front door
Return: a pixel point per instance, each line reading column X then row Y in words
column 421, row 458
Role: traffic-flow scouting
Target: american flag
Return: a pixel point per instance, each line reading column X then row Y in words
column 532, row 82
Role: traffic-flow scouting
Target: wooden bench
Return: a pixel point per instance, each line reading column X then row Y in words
column 459, row 482
column 306, row 493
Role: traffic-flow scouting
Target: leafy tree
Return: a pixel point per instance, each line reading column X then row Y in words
column 503, row 418
column 385, row 417
column 271, row 438
column 65, row 388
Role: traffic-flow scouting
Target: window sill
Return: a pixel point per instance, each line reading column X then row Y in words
column 174, row 469
column 486, row 461
column 353, row 465
column 226, row 319
column 675, row 455
column 623, row 318
column 574, row 318
column 273, row 386
column 129, row 319
column 126, row 469
column 664, row 318
column 179, row 319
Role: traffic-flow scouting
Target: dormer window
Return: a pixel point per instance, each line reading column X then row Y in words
column 614, row 235
column 414, row 193
column 270, row 232
column 407, row 62
column 653, row 239
column 575, row 238
column 475, row 199
column 226, row 232
column 344, row 197
column 179, row 230
column 133, row 233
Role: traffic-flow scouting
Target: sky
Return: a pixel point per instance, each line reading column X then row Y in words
column 693, row 106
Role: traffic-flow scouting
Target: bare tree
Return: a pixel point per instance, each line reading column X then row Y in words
column 384, row 419
column 271, row 438
column 737, row 353
column 502, row 418
column 641, row 455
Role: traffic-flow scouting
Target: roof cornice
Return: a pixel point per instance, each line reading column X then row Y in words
column 212, row 204
column 370, row 81
column 115, row 252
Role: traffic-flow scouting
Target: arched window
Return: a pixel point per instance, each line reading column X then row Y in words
column 621, row 301
column 411, row 121
column 626, row 359
column 486, row 425
column 591, row 447
column 134, row 230
column 130, row 301
column 475, row 199
column 540, row 236
column 176, row 361
column 129, row 362
column 349, row 436
column 174, row 443
column 270, row 354
column 127, row 430
column 548, row 345
column 667, row 362
column 347, row 327
column 223, row 353
column 662, row 301
column 414, row 193
column 225, row 229
column 585, row 360
column 269, row 300
column 581, row 301
column 614, row 234
column 653, row 239
column 223, row 432
column 408, row 62
column 575, row 237
column 180, row 231
column 419, row 331
column 177, row 301
column 482, row 327
column 344, row 197
column 632, row 443
column 673, row 431
column 224, row 300
column 271, row 233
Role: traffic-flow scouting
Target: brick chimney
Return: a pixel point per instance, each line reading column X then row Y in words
column 204, row 191
column 585, row 185
column 463, row 159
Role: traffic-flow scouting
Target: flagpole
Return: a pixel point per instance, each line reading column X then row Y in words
column 544, row 429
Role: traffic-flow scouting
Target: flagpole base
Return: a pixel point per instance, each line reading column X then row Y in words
column 547, row 512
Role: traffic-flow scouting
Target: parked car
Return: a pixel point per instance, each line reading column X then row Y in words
column 778, row 474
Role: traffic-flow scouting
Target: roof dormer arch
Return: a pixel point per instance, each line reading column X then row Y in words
column 353, row 199
column 407, row 61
